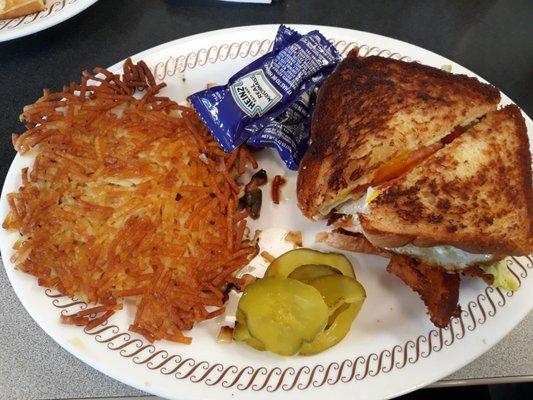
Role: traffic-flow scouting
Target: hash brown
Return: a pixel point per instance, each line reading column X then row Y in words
column 129, row 197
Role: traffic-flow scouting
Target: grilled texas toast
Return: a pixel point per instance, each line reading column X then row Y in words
column 474, row 194
column 373, row 114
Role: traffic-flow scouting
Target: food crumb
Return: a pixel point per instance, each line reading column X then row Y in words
column 267, row 256
column 76, row 342
column 225, row 335
column 295, row 237
column 321, row 237
column 277, row 183
column 247, row 280
column 253, row 196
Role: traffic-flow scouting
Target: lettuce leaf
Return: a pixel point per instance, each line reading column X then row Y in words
column 503, row 278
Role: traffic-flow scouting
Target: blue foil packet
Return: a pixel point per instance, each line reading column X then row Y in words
column 289, row 132
column 268, row 103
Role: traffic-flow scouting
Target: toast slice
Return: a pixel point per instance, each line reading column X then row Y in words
column 375, row 117
column 475, row 194
column 17, row 8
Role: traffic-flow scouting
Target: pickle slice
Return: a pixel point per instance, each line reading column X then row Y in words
column 338, row 290
column 241, row 334
column 283, row 313
column 306, row 273
column 255, row 343
column 344, row 297
column 285, row 264
column 335, row 332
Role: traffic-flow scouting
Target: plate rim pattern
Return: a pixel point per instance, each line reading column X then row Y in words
column 130, row 346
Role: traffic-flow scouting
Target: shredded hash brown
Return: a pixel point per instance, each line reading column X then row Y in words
column 129, row 196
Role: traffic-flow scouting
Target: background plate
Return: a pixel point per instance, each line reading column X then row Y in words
column 55, row 11
column 392, row 348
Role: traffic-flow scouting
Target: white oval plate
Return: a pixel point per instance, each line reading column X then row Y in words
column 392, row 348
column 55, row 11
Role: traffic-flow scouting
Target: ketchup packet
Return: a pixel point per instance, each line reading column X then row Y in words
column 268, row 103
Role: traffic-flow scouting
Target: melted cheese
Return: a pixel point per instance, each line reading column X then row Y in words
column 354, row 207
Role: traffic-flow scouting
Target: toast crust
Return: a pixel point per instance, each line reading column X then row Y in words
column 475, row 194
column 371, row 111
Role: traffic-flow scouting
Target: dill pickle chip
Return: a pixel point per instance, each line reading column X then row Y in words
column 338, row 290
column 285, row 264
column 241, row 334
column 283, row 313
column 344, row 297
column 335, row 332
column 255, row 343
column 306, row 273
column 239, row 316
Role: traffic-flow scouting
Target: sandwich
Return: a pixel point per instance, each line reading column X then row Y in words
column 18, row 8
column 451, row 193
column 460, row 211
column 376, row 117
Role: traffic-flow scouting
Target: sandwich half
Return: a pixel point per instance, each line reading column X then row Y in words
column 464, row 208
column 377, row 117
column 474, row 196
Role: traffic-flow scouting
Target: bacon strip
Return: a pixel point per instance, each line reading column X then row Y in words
column 438, row 289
